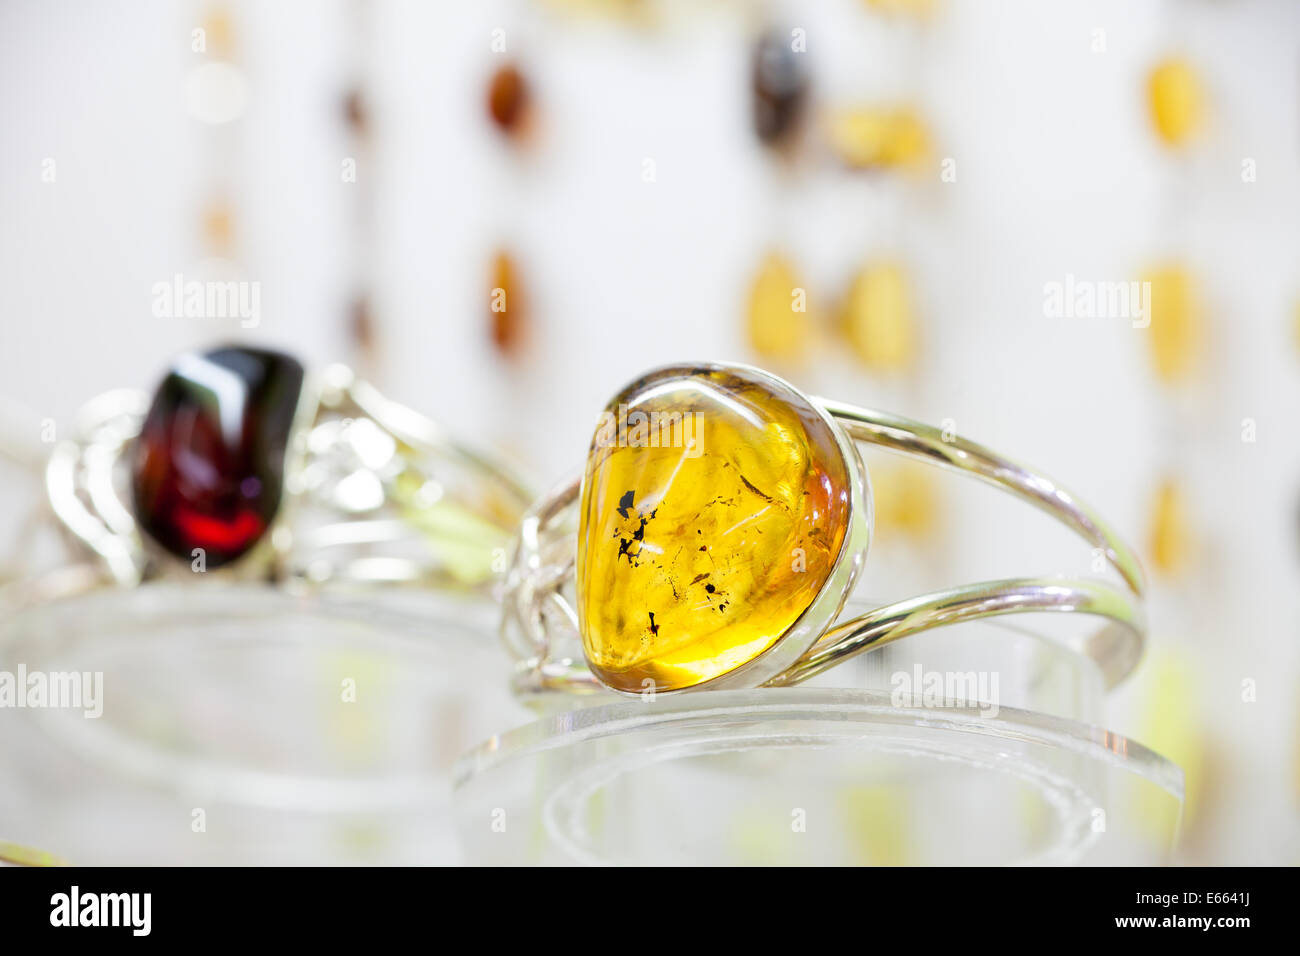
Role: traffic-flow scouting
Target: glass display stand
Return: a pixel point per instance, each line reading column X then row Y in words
column 889, row 774
column 244, row 725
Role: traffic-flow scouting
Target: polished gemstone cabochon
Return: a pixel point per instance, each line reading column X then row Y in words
column 208, row 465
column 715, row 504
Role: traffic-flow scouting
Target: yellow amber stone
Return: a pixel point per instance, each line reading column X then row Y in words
column 879, row 138
column 1171, row 539
column 778, row 322
column 715, row 504
column 1175, row 332
column 878, row 317
column 1177, row 105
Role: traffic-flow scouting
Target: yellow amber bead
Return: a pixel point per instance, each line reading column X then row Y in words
column 715, row 504
column 1177, row 105
column 1171, row 539
column 219, row 33
column 1175, row 332
column 641, row 13
column 878, row 317
column 219, row 227
column 905, row 499
column 917, row 8
column 879, row 138
column 778, row 321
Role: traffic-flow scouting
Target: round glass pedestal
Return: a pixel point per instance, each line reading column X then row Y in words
column 812, row 776
column 934, row 763
column 242, row 725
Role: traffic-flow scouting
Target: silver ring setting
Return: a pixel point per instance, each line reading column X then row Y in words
column 356, row 491
column 552, row 639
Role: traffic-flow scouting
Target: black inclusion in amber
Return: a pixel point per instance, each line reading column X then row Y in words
column 207, row 470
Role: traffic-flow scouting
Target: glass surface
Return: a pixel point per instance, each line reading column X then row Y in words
column 1004, row 766
column 812, row 776
column 244, row 725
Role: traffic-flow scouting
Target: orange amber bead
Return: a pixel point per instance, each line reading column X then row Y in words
column 508, row 99
column 506, row 309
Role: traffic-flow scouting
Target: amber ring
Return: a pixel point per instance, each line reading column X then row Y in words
column 722, row 521
column 243, row 466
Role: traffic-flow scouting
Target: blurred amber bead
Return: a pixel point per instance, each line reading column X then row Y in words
column 877, row 317
column 219, row 227
column 1175, row 332
column 778, row 323
column 508, row 99
column 1177, row 103
column 637, row 12
column 905, row 499
column 894, row 7
column 355, row 112
column 779, row 84
column 1170, row 530
column 505, row 305
column 361, row 325
column 219, row 32
column 879, row 138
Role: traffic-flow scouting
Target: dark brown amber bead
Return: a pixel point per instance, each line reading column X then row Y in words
column 780, row 87
column 207, row 470
column 355, row 112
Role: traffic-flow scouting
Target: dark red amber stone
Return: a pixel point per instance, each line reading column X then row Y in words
column 207, row 470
